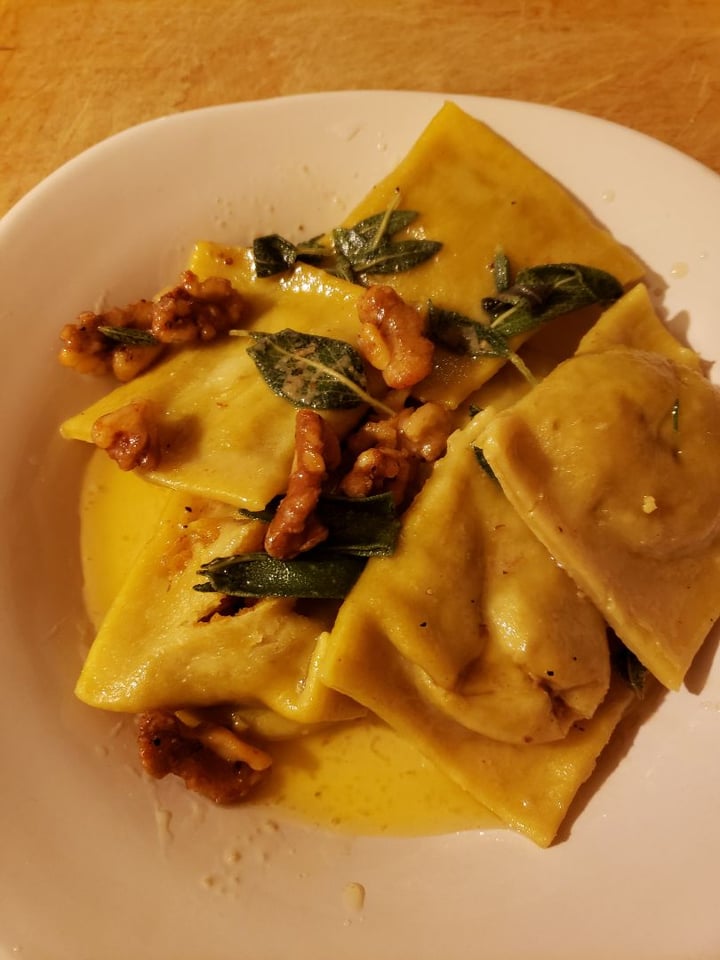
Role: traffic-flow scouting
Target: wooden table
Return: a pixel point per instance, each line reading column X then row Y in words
column 73, row 72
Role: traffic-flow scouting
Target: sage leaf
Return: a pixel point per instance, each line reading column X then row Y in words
column 273, row 254
column 395, row 257
column 129, row 336
column 312, row 576
column 350, row 244
column 462, row 335
column 628, row 666
column 363, row 526
column 358, row 528
column 538, row 294
column 369, row 248
column 380, row 225
column 501, row 271
column 483, row 461
column 351, row 253
column 310, row 370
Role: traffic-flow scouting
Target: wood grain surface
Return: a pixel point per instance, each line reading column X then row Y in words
column 72, row 72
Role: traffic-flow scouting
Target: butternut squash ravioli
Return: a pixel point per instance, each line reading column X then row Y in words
column 555, row 526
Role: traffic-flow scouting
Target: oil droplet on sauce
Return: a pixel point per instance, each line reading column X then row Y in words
column 358, row 777
column 679, row 270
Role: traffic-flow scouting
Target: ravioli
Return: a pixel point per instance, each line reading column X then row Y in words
column 613, row 461
column 224, row 434
column 495, row 634
column 163, row 644
column 529, row 787
column 474, row 192
column 632, row 321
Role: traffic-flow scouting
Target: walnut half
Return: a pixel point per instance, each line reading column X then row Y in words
column 129, row 435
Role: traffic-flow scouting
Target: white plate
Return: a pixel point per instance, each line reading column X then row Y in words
column 96, row 862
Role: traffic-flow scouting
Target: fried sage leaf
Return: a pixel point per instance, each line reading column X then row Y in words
column 382, row 225
column 358, row 528
column 274, row 254
column 352, row 253
column 309, row 370
column 501, row 271
column 314, row 575
column 388, row 256
column 541, row 293
column 537, row 295
column 129, row 336
column 362, row 526
column 483, row 461
column 628, row 666
column 462, row 335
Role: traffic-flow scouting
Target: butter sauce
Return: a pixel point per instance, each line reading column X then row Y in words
column 357, row 777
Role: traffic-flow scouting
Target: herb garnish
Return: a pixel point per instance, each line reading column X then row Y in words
column 483, row 461
column 363, row 526
column 540, row 293
column 471, row 338
column 314, row 575
column 352, row 253
column 537, row 295
column 129, row 336
column 274, row 254
column 632, row 671
column 358, row 528
column 311, row 371
column 501, row 271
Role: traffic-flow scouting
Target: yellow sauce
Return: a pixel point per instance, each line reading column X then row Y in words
column 357, row 777
column 362, row 778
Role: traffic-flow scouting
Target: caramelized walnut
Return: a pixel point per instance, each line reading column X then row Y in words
column 378, row 470
column 129, row 435
column 295, row 527
column 88, row 350
column 424, row 431
column 197, row 310
column 194, row 311
column 211, row 760
column 391, row 337
column 387, row 452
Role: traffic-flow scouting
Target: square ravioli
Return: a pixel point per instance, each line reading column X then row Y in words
column 613, row 461
column 474, row 192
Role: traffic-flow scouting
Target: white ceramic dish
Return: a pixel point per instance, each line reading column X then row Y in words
column 98, row 863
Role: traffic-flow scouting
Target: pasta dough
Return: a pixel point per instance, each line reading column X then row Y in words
column 164, row 645
column 474, row 191
column 224, row 434
column 613, row 461
column 494, row 632
column 529, row 787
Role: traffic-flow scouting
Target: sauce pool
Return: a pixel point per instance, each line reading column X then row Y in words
column 358, row 777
